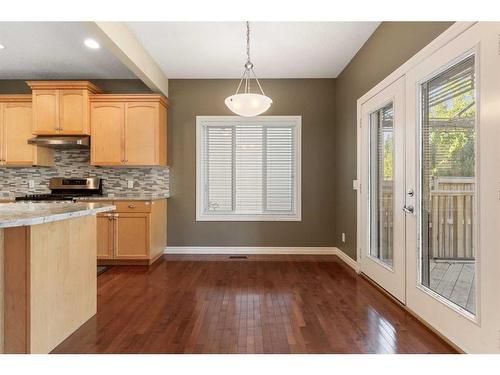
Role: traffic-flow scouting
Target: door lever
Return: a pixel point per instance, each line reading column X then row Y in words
column 409, row 209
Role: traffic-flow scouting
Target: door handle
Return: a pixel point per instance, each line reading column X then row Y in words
column 409, row 209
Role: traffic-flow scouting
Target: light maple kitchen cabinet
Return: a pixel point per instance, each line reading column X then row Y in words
column 107, row 139
column 135, row 233
column 128, row 130
column 61, row 107
column 132, row 236
column 15, row 130
column 105, row 240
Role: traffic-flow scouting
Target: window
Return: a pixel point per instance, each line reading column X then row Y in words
column 248, row 169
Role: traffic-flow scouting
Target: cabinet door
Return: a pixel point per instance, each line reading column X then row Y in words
column 73, row 112
column 104, row 236
column 45, row 111
column 2, row 134
column 107, row 123
column 131, row 236
column 141, row 124
column 17, row 119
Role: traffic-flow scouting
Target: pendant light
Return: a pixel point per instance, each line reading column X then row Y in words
column 248, row 104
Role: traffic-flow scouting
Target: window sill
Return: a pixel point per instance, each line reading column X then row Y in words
column 256, row 218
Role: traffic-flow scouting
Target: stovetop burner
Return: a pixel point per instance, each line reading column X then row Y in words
column 53, row 197
column 66, row 189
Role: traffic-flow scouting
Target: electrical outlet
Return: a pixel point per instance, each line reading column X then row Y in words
column 343, row 237
column 31, row 184
column 130, row 184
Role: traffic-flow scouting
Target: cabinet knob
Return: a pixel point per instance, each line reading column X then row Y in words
column 131, row 206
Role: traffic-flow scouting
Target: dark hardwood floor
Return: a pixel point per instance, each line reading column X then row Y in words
column 279, row 304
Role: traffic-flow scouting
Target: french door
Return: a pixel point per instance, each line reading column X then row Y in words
column 430, row 183
column 452, row 153
column 382, row 189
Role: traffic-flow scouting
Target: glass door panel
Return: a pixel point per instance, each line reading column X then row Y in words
column 448, row 184
column 382, row 183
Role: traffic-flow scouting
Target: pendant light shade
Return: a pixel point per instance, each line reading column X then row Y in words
column 246, row 103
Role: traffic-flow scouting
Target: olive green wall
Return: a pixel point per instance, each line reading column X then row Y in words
column 390, row 46
column 312, row 99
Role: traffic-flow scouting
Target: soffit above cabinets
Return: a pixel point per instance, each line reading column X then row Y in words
column 278, row 50
column 54, row 50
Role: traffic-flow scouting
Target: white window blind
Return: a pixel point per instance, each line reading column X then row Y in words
column 248, row 168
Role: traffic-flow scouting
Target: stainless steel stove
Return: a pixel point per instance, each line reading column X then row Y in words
column 67, row 189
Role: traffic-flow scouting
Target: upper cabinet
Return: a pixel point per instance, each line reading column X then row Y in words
column 129, row 130
column 15, row 129
column 61, row 107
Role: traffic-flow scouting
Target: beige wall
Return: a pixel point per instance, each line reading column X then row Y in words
column 312, row 99
column 391, row 45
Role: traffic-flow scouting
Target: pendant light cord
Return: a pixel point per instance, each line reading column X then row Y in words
column 248, row 43
column 249, row 72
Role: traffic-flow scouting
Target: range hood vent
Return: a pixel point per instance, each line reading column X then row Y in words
column 61, row 141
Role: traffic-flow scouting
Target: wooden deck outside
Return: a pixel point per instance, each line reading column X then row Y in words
column 454, row 280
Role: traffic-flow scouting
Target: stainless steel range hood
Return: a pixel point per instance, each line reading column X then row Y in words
column 61, row 141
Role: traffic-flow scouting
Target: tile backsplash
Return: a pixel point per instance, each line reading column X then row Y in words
column 75, row 163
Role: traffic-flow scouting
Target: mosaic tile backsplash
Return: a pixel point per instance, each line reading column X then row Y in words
column 75, row 163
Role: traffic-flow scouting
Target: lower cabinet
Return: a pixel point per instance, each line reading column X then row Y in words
column 136, row 233
column 132, row 236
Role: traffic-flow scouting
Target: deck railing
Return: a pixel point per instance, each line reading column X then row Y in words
column 450, row 218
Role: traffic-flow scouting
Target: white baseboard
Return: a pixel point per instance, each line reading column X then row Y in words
column 250, row 250
column 222, row 250
column 347, row 260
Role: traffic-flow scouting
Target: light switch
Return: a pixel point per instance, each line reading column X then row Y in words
column 31, row 184
column 355, row 184
column 130, row 184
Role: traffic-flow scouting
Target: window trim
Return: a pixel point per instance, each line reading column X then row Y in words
column 201, row 215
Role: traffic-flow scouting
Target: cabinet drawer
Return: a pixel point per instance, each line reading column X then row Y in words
column 133, row 206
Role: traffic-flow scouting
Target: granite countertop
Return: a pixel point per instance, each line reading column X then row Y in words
column 32, row 213
column 110, row 197
column 125, row 197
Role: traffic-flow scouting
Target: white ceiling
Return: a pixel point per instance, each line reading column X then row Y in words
column 278, row 49
column 54, row 50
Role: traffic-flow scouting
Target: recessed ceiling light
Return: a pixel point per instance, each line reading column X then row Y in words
column 91, row 43
column 2, row 46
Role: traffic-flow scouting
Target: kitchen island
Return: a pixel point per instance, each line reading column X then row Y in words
column 47, row 272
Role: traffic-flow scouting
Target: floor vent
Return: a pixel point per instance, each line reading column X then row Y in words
column 238, row 257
